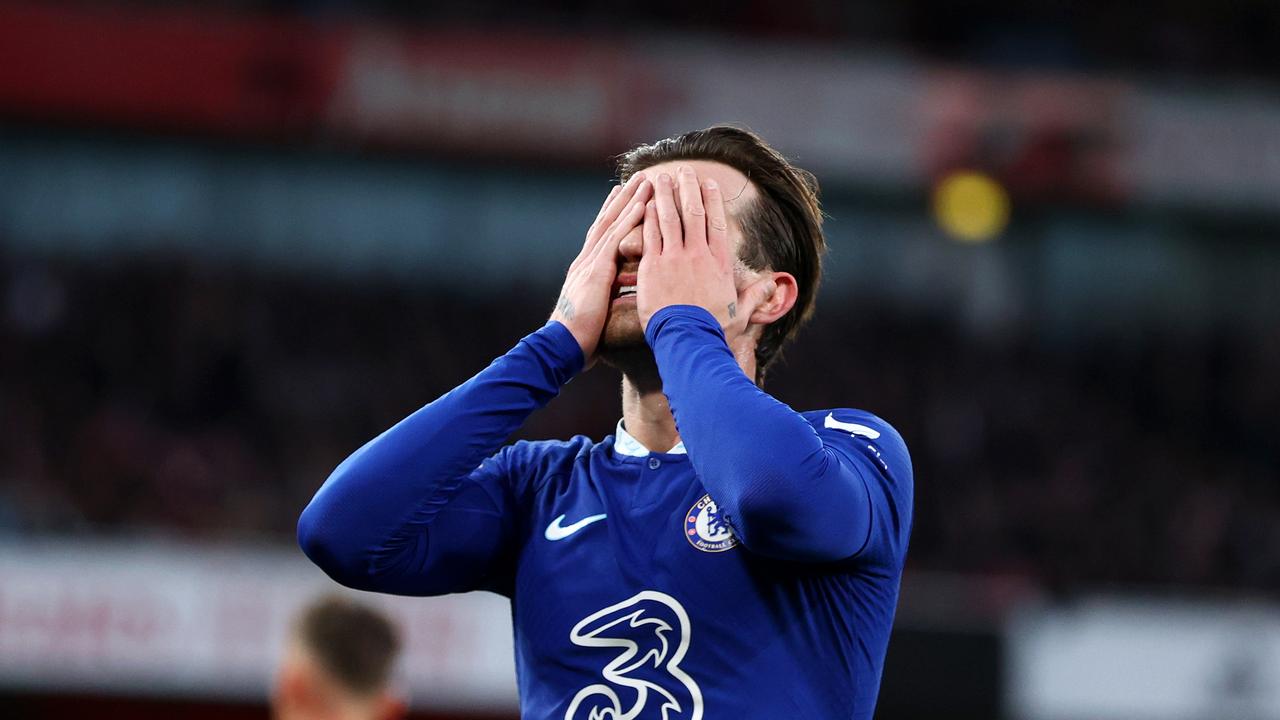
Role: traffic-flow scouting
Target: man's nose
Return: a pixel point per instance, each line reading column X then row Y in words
column 632, row 246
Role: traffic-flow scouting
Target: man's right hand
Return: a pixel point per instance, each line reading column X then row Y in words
column 584, row 300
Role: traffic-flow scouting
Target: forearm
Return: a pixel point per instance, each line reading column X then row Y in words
column 372, row 516
column 784, row 491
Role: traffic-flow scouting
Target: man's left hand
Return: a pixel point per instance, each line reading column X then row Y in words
column 687, row 257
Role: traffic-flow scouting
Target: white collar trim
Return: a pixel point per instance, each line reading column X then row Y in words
column 625, row 444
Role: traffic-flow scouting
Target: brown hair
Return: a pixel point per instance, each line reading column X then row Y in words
column 782, row 231
column 353, row 642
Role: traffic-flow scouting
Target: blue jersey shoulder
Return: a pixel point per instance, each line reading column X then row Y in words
column 860, row 424
column 892, row 493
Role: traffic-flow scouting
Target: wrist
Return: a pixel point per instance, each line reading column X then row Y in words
column 564, row 350
column 693, row 315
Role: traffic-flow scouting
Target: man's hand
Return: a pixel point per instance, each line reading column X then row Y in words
column 687, row 255
column 584, row 300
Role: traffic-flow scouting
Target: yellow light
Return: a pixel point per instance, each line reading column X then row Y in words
column 971, row 207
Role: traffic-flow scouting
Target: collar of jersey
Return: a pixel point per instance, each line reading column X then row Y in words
column 624, row 444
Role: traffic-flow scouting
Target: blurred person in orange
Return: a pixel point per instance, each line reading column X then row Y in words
column 337, row 665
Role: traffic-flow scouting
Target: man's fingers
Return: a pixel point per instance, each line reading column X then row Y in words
column 717, row 221
column 620, row 202
column 607, row 249
column 637, row 192
column 603, row 267
column 668, row 216
column 693, row 215
column 614, row 206
column 652, row 234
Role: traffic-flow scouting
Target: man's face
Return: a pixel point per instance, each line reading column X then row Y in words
column 622, row 331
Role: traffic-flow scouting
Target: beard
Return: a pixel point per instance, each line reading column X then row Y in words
column 622, row 344
column 622, row 331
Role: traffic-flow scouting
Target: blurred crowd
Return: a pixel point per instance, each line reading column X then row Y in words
column 160, row 397
column 1182, row 37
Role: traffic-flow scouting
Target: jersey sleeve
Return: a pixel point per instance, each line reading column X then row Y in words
column 429, row 506
column 791, row 487
column 876, row 453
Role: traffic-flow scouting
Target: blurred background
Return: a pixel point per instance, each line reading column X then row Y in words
column 238, row 239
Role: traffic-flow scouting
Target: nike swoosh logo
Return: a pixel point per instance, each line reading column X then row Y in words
column 556, row 531
column 851, row 428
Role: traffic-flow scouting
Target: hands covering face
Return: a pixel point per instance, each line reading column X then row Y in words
column 688, row 257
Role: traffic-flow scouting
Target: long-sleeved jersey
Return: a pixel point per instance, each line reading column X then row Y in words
column 754, row 575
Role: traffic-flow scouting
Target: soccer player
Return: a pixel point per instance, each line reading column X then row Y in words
column 721, row 556
column 337, row 665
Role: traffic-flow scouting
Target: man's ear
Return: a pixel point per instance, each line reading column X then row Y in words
column 770, row 297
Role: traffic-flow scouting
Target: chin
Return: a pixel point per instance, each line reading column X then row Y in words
column 622, row 338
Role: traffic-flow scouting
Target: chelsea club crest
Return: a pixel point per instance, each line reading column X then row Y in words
column 706, row 529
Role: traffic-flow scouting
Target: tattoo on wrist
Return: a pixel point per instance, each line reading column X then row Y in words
column 733, row 310
column 565, row 307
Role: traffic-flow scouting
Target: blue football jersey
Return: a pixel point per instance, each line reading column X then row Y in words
column 754, row 575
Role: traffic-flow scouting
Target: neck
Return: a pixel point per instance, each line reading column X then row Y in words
column 646, row 414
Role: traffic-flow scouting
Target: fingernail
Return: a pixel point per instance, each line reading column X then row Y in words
column 666, row 179
column 711, row 184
